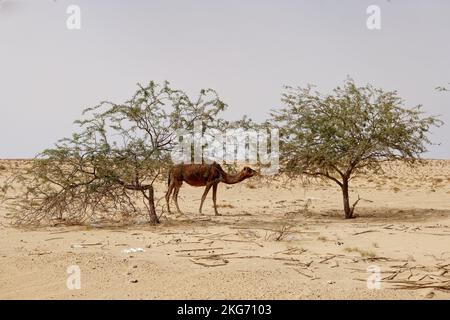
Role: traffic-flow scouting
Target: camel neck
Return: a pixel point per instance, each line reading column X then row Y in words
column 233, row 178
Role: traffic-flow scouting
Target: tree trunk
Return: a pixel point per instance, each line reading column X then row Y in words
column 347, row 209
column 152, row 211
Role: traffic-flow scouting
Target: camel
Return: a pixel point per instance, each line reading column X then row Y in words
column 201, row 175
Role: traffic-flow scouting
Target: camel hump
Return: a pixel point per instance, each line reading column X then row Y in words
column 217, row 171
column 213, row 172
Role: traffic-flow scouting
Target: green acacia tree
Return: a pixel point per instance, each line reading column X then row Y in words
column 109, row 167
column 354, row 129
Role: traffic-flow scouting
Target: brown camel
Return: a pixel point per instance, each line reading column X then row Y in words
column 200, row 175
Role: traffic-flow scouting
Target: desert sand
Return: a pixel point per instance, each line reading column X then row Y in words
column 273, row 241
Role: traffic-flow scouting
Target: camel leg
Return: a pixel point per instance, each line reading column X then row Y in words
column 215, row 198
column 169, row 191
column 208, row 186
column 175, row 198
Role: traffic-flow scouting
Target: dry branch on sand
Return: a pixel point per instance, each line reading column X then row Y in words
column 222, row 238
column 200, row 249
column 217, row 263
column 311, row 277
column 85, row 245
column 327, row 258
column 415, row 285
column 426, row 277
column 366, row 231
column 210, row 260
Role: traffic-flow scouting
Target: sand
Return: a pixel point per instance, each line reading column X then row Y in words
column 271, row 242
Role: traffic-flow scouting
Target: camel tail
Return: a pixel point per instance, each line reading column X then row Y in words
column 168, row 179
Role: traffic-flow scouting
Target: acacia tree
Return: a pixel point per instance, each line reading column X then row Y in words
column 109, row 167
column 352, row 130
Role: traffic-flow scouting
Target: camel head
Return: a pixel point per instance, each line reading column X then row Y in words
column 248, row 172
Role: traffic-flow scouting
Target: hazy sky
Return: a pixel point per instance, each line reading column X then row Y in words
column 246, row 50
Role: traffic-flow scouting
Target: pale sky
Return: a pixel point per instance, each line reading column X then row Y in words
column 245, row 49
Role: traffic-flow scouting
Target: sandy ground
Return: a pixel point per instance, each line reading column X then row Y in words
column 272, row 242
